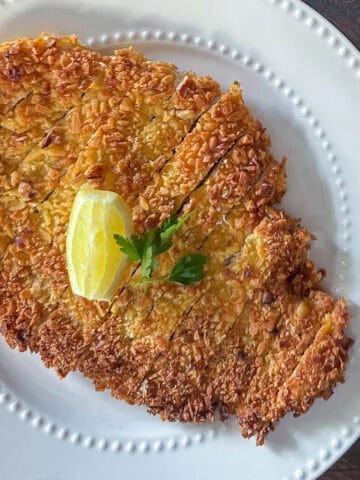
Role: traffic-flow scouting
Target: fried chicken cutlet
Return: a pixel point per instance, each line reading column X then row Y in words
column 257, row 337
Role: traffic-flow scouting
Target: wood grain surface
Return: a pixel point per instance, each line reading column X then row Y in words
column 345, row 14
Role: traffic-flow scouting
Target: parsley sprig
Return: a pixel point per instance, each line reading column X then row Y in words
column 188, row 270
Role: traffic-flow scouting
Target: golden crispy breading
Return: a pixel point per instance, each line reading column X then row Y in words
column 65, row 71
column 257, row 338
column 58, row 71
column 60, row 147
column 301, row 322
column 120, row 156
column 42, row 169
column 42, row 79
column 215, row 133
column 32, row 66
column 23, row 227
column 320, row 368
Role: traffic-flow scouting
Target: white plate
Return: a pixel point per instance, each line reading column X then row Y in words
column 302, row 78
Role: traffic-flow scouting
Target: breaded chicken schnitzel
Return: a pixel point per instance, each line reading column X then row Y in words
column 257, row 337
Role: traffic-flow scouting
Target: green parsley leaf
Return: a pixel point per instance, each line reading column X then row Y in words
column 172, row 225
column 236, row 82
column 139, row 243
column 148, row 264
column 189, row 269
column 169, row 222
column 160, row 245
column 130, row 247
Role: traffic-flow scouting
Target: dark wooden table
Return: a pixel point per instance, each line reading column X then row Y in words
column 345, row 14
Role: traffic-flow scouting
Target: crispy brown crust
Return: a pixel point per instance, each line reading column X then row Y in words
column 257, row 338
column 60, row 148
column 51, row 76
column 309, row 364
column 25, row 64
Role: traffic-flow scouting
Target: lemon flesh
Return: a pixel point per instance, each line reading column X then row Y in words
column 94, row 260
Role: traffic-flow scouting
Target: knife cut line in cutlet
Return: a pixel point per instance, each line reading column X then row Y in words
column 187, row 231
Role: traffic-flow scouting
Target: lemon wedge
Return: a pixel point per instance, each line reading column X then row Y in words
column 94, row 260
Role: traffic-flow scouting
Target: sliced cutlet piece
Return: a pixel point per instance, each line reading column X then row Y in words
column 184, row 390
column 219, row 128
column 20, row 179
column 47, row 258
column 140, row 328
column 320, row 367
column 272, row 354
column 172, row 121
column 309, row 372
column 59, row 71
